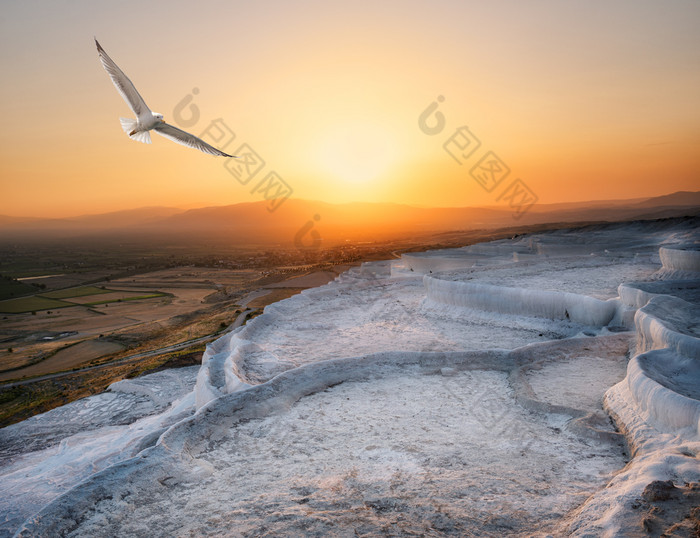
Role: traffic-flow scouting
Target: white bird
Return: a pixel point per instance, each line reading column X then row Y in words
column 147, row 120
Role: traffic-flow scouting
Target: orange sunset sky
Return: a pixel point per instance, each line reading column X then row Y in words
column 582, row 100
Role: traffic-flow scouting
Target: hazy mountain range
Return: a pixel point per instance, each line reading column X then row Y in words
column 253, row 222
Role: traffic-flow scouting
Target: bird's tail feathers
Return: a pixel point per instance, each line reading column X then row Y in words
column 128, row 124
column 129, row 127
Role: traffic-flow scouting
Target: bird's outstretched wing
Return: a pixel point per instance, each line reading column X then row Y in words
column 186, row 139
column 124, row 86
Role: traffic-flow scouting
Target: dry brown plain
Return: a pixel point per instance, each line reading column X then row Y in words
column 116, row 322
column 123, row 319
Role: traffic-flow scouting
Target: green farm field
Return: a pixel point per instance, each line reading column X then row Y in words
column 31, row 304
column 10, row 288
column 81, row 296
column 81, row 291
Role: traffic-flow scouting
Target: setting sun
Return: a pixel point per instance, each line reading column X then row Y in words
column 356, row 152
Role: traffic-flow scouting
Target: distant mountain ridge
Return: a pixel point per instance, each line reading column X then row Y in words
column 112, row 219
column 252, row 222
column 679, row 198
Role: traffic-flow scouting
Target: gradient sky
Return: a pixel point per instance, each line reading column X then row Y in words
column 582, row 100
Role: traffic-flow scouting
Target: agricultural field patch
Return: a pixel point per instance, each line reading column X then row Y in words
column 31, row 304
column 81, row 291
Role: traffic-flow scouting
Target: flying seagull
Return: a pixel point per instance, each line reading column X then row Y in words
column 147, row 120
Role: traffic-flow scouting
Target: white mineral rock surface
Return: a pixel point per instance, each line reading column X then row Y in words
column 464, row 392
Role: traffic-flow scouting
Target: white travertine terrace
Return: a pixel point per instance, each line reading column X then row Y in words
column 450, row 392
